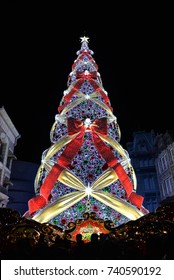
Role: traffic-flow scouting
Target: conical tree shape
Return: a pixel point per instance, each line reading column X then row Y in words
column 85, row 169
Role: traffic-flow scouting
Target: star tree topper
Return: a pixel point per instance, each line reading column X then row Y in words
column 84, row 39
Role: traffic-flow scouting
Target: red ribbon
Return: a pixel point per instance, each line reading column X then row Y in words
column 81, row 58
column 78, row 83
column 41, row 200
column 65, row 159
column 99, row 125
column 112, row 162
column 67, row 97
column 74, row 126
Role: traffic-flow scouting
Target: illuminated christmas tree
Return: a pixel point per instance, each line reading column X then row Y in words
column 85, row 170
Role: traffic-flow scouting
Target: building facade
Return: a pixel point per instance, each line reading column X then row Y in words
column 22, row 177
column 8, row 140
column 142, row 155
column 165, row 165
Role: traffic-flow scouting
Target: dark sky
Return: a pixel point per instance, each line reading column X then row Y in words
column 133, row 49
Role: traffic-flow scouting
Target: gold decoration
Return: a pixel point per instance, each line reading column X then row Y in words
column 52, row 130
column 72, row 105
column 69, row 179
column 70, row 199
column 53, row 149
column 58, row 206
column 58, row 145
column 105, row 179
column 36, row 181
column 118, row 204
column 82, row 97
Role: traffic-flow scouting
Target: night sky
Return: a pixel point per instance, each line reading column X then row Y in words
column 132, row 47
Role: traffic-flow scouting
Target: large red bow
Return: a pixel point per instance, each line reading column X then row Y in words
column 86, row 75
column 98, row 126
column 65, row 159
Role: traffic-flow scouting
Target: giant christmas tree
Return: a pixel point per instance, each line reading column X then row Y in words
column 85, row 170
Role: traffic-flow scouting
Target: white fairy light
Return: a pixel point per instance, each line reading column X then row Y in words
column 87, row 96
column 88, row 190
column 43, row 161
column 86, row 72
column 87, row 121
column 59, row 118
column 65, row 92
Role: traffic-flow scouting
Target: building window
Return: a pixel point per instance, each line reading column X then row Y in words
column 146, row 162
column 168, row 183
column 164, row 162
column 159, row 167
column 149, row 183
column 146, row 183
column 152, row 182
column 1, row 152
column 151, row 203
column 151, row 163
column 142, row 146
column 172, row 153
column 164, row 192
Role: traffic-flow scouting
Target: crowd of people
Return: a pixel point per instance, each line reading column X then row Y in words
column 100, row 247
column 150, row 237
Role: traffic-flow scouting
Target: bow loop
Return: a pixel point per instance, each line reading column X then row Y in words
column 74, row 125
column 77, row 125
column 100, row 126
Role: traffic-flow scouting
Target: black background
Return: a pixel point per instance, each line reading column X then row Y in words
column 132, row 46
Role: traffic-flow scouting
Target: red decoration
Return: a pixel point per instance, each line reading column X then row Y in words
column 86, row 228
column 80, row 79
column 64, row 161
column 136, row 199
column 81, row 58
